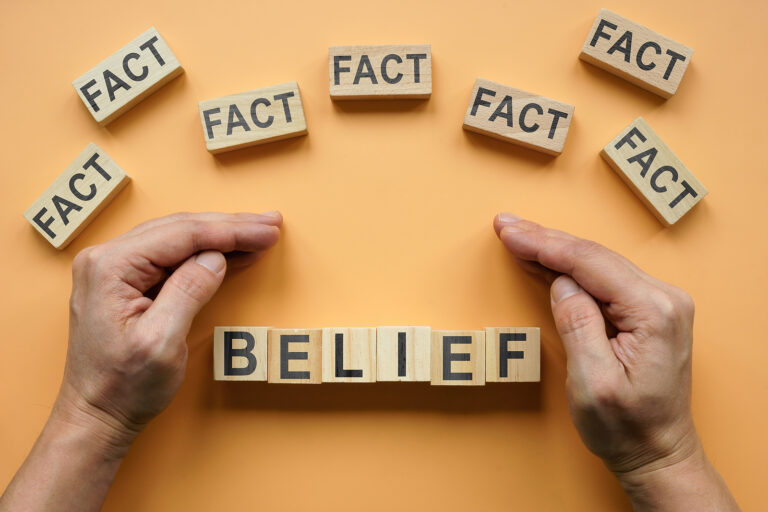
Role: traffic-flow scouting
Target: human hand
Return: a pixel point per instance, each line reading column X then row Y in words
column 127, row 351
column 628, row 339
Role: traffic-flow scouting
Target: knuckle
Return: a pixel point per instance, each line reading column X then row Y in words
column 195, row 287
column 575, row 317
column 586, row 249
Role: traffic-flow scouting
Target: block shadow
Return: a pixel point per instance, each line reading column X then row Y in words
column 380, row 106
column 266, row 151
column 625, row 87
column 508, row 149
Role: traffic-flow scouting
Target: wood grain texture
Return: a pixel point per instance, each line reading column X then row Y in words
column 380, row 72
column 303, row 361
column 636, row 53
column 653, row 172
column 512, row 354
column 77, row 196
column 415, row 341
column 519, row 117
column 448, row 349
column 253, row 117
column 126, row 77
column 356, row 347
column 246, row 362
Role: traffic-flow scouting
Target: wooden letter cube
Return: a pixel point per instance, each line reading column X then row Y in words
column 653, row 172
column 295, row 356
column 128, row 76
column 240, row 353
column 380, row 72
column 512, row 354
column 636, row 53
column 458, row 358
column 402, row 354
column 349, row 354
column 254, row 117
column 519, row 117
column 77, row 196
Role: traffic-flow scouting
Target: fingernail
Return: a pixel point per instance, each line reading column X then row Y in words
column 508, row 217
column 562, row 288
column 272, row 213
column 212, row 260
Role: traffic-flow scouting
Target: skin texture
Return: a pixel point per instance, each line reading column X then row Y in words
column 627, row 338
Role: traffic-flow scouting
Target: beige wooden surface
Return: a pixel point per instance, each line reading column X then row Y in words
column 254, row 117
column 525, row 369
column 359, row 353
column 645, row 170
column 311, row 365
column 417, row 353
column 128, row 76
column 259, row 352
column 640, row 57
column 77, row 196
column 474, row 366
column 516, row 116
column 381, row 72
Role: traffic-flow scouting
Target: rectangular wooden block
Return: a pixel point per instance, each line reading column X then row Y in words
column 402, row 354
column 380, row 72
column 240, row 353
column 85, row 187
column 128, row 76
column 253, row 117
column 519, row 117
column 512, row 354
column 636, row 53
column 653, row 172
column 295, row 356
column 458, row 358
column 349, row 354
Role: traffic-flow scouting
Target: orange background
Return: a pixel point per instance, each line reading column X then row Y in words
column 388, row 210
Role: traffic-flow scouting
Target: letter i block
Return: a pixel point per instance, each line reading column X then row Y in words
column 653, row 172
column 458, row 358
column 519, row 117
column 349, row 354
column 402, row 354
column 128, row 76
column 295, row 356
column 83, row 190
column 254, row 117
column 512, row 354
column 636, row 53
column 240, row 353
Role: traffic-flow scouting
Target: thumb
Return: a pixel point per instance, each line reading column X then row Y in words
column 187, row 290
column 581, row 326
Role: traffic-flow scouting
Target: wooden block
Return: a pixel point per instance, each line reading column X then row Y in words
column 458, row 358
column 128, row 76
column 254, row 117
column 380, row 72
column 349, row 354
column 636, row 53
column 402, row 354
column 295, row 356
column 240, row 353
column 512, row 354
column 519, row 117
column 653, row 172
column 85, row 187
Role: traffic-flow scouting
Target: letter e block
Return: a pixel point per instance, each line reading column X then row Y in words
column 636, row 53
column 127, row 76
column 458, row 358
column 512, row 354
column 77, row 196
column 349, row 354
column 402, row 354
column 240, row 353
column 519, row 117
column 295, row 356
column 653, row 172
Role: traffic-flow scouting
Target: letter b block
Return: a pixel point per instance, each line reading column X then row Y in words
column 240, row 353
column 458, row 358
column 349, row 354
column 512, row 354
column 295, row 356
